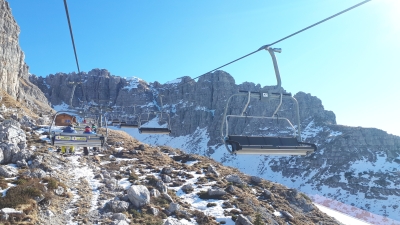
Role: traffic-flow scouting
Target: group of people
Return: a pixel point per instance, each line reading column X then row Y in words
column 70, row 129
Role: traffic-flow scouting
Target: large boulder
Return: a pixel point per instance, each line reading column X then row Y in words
column 12, row 141
column 139, row 195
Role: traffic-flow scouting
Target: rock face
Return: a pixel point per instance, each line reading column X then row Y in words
column 12, row 142
column 191, row 104
column 12, row 65
column 14, row 76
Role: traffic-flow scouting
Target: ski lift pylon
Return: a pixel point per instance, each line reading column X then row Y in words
column 268, row 145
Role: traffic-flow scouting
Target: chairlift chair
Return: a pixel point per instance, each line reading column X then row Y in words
column 267, row 145
column 159, row 114
column 78, row 139
column 153, row 129
column 131, row 122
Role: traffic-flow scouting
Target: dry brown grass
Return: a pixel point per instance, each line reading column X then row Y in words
column 11, row 102
column 154, row 159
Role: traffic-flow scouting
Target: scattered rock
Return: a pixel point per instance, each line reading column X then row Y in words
column 99, row 176
column 211, row 170
column 117, row 206
column 59, row 190
column 119, row 216
column 166, row 178
column 173, row 207
column 119, row 222
column 166, row 170
column 187, row 188
column 139, row 195
column 267, row 194
column 216, row 193
column 141, row 147
column 227, row 205
column 287, row 215
column 154, row 211
column 161, row 186
column 8, row 171
column 38, row 173
column 234, row 179
column 167, row 197
column 155, row 193
column 22, row 164
column 256, row 180
column 242, row 220
column 230, row 189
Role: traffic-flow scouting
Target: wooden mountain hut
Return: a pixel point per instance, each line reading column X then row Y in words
column 65, row 119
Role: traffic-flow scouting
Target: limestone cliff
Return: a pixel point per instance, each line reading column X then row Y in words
column 14, row 76
column 192, row 104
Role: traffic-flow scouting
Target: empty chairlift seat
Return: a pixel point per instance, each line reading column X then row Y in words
column 272, row 97
column 129, row 125
column 269, row 145
column 152, row 127
column 154, row 130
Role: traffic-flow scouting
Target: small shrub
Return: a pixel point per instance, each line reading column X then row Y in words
column 258, row 220
column 235, row 211
column 305, row 196
column 201, row 180
column 234, row 218
column 152, row 180
column 52, row 183
column 3, row 183
column 201, row 218
column 160, row 201
column 133, row 177
column 20, row 181
column 26, row 190
column 135, row 213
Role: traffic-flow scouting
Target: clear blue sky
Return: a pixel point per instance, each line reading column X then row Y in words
column 351, row 63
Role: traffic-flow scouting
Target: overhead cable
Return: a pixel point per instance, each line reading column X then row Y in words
column 273, row 43
column 76, row 58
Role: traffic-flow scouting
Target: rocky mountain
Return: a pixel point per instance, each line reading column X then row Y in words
column 123, row 183
column 14, row 75
column 354, row 165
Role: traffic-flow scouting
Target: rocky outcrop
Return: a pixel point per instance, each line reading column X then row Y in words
column 12, row 142
column 95, row 86
column 14, row 76
column 12, row 65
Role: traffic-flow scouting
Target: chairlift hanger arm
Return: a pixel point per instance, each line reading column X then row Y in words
column 276, row 68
